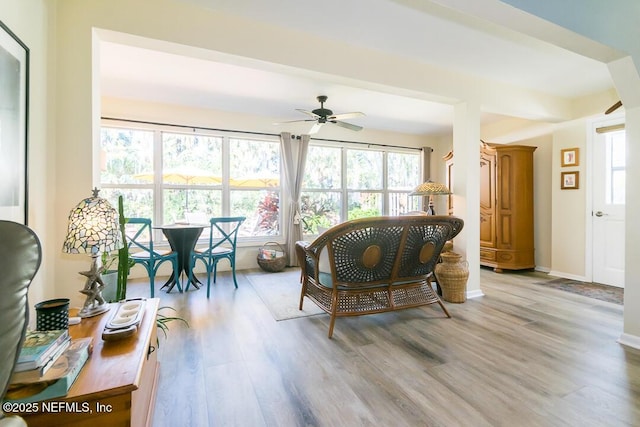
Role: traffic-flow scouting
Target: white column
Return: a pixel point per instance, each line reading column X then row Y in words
column 627, row 80
column 631, row 330
column 466, row 149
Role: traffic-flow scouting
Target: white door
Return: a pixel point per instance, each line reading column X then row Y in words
column 609, row 160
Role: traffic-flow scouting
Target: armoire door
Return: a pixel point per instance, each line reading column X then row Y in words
column 487, row 200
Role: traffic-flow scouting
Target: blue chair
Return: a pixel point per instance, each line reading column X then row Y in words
column 141, row 251
column 223, row 234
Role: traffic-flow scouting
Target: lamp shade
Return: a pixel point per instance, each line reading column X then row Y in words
column 430, row 188
column 93, row 227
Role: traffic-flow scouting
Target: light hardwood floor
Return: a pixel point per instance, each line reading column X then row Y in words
column 522, row 355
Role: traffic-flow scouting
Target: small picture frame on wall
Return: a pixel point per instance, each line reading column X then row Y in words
column 570, row 157
column 570, row 180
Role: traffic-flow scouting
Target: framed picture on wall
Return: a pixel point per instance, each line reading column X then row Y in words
column 14, row 81
column 570, row 180
column 570, row 157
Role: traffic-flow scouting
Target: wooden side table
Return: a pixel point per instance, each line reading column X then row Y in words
column 116, row 386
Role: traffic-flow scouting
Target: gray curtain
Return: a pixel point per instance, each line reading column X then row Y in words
column 294, row 152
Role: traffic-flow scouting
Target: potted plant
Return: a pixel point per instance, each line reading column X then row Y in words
column 162, row 320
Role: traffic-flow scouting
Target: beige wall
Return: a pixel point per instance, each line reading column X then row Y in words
column 164, row 113
column 569, row 206
column 29, row 20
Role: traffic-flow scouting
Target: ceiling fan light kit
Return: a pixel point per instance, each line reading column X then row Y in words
column 323, row 115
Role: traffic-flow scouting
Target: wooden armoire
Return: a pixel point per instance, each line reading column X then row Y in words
column 506, row 205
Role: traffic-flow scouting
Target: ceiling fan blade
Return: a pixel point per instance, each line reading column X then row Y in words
column 347, row 125
column 295, row 121
column 346, row 115
column 308, row 113
column 315, row 128
column 614, row 107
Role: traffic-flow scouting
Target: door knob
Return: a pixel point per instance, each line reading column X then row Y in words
column 600, row 213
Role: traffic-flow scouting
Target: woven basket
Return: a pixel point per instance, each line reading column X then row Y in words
column 452, row 275
column 275, row 264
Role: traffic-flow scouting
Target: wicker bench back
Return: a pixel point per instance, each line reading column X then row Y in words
column 383, row 249
column 375, row 264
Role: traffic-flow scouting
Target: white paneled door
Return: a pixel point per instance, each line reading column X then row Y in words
column 609, row 159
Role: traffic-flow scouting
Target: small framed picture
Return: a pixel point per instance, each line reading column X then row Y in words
column 569, row 180
column 570, row 157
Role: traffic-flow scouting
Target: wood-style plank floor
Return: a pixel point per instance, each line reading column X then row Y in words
column 522, row 355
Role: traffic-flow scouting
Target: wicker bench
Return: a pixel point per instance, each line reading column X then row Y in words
column 373, row 265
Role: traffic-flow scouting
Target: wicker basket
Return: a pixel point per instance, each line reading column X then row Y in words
column 452, row 275
column 269, row 258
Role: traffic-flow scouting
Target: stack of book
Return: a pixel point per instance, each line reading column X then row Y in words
column 39, row 351
column 53, row 377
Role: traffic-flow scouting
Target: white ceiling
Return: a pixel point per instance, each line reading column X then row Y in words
column 461, row 44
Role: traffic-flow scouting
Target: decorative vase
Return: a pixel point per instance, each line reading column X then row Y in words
column 110, row 280
column 452, row 274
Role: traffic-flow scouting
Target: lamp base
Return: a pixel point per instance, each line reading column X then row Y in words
column 95, row 303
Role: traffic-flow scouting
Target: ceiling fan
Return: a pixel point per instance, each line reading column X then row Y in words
column 324, row 115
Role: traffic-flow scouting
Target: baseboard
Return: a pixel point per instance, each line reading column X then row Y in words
column 542, row 269
column 475, row 293
column 630, row 341
column 567, row 276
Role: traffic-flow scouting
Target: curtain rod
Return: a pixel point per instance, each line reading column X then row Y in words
column 252, row 133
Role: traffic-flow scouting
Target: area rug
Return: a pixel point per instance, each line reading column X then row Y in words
column 592, row 290
column 280, row 292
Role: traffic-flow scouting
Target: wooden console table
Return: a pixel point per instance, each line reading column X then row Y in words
column 116, row 386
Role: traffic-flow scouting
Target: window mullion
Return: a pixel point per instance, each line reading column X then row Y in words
column 226, row 173
column 344, row 200
column 158, row 193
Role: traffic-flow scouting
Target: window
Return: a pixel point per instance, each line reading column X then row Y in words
column 348, row 183
column 126, row 158
column 616, row 168
column 255, row 184
column 164, row 175
column 191, row 175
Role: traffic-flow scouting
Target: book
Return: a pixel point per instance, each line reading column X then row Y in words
column 35, row 374
column 38, row 347
column 57, row 381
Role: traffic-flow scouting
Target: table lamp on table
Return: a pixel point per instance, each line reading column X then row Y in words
column 430, row 189
column 93, row 229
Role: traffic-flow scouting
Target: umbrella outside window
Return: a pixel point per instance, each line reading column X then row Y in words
column 255, row 181
column 185, row 176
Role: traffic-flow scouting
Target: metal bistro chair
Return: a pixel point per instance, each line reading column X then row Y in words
column 141, row 251
column 223, row 234
column 20, row 257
